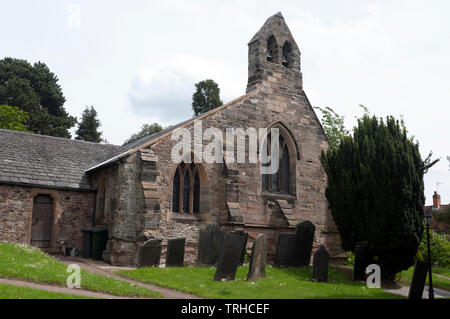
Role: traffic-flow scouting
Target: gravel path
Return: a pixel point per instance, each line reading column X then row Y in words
column 102, row 268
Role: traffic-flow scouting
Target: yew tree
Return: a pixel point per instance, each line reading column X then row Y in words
column 376, row 191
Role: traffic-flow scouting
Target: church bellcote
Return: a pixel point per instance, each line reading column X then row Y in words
column 273, row 53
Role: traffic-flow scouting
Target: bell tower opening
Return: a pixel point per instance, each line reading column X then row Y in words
column 273, row 50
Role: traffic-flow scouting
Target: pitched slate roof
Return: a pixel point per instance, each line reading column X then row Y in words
column 150, row 137
column 39, row 160
column 147, row 140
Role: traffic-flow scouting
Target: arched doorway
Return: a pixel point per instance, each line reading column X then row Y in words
column 41, row 221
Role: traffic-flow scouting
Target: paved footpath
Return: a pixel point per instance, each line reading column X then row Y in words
column 403, row 291
column 65, row 290
column 102, row 268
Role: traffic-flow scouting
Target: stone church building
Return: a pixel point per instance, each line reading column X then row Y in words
column 51, row 188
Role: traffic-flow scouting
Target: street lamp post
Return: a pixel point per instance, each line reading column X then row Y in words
column 430, row 275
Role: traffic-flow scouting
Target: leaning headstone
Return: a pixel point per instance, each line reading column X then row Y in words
column 229, row 257
column 244, row 249
column 149, row 253
column 210, row 244
column 360, row 264
column 303, row 244
column 257, row 268
column 285, row 250
column 320, row 264
column 175, row 252
column 418, row 280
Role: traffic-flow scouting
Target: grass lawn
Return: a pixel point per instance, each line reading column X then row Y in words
column 438, row 282
column 279, row 283
column 14, row 292
column 31, row 264
column 442, row 271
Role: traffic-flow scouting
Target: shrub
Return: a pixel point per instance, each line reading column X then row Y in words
column 440, row 249
column 350, row 261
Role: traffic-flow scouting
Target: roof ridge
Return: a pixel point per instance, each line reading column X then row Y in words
column 55, row 137
column 174, row 127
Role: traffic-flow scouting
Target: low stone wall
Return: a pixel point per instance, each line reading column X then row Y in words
column 72, row 211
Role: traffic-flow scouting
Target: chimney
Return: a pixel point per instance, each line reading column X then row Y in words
column 436, row 200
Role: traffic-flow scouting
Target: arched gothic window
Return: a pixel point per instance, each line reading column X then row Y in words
column 287, row 55
column 186, row 189
column 272, row 50
column 282, row 180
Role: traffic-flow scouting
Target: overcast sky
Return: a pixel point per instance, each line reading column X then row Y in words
column 137, row 61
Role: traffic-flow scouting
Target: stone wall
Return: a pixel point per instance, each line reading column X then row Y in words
column 123, row 210
column 72, row 211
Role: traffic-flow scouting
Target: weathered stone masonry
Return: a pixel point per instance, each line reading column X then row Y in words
column 72, row 211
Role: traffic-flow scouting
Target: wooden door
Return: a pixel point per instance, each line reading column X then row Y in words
column 41, row 221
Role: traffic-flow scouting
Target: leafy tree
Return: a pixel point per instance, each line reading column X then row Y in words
column 35, row 90
column 88, row 127
column 333, row 124
column 376, row 192
column 440, row 249
column 206, row 97
column 12, row 118
column 146, row 129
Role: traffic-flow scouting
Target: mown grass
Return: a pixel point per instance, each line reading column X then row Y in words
column 29, row 263
column 438, row 282
column 442, row 271
column 14, row 292
column 279, row 283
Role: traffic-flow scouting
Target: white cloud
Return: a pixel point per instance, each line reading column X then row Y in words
column 165, row 92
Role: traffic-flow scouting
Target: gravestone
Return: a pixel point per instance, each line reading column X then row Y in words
column 285, row 250
column 257, row 268
column 304, row 238
column 210, row 244
column 244, row 249
column 320, row 264
column 418, row 280
column 229, row 257
column 360, row 264
column 149, row 253
column 175, row 252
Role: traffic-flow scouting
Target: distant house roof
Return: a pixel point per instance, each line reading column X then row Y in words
column 39, row 160
column 441, row 208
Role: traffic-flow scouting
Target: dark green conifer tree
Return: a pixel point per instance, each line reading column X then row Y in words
column 376, row 192
column 88, row 127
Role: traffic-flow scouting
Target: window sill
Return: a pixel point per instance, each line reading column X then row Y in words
column 185, row 218
column 278, row 196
